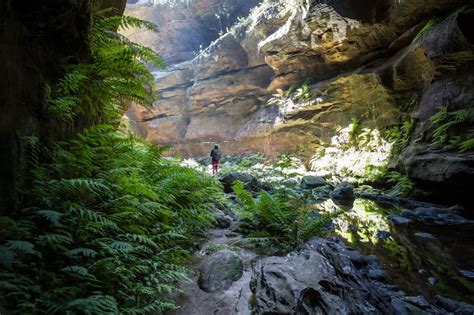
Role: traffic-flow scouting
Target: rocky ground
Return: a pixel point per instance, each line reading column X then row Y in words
column 326, row 276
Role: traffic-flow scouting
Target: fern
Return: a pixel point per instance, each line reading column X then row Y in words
column 446, row 121
column 86, row 252
column 430, row 24
column 466, row 145
column 402, row 185
column 283, row 224
column 102, row 209
column 50, row 215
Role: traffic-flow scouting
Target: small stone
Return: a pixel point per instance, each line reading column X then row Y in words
column 398, row 220
column 383, row 235
column 378, row 275
column 409, row 214
column 425, row 235
column 432, row 280
column 468, row 274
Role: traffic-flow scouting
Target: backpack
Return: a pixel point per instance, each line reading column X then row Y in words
column 216, row 154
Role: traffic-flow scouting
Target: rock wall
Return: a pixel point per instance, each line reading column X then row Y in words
column 186, row 27
column 363, row 59
column 36, row 39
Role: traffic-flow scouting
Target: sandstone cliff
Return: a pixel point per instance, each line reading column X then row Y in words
column 376, row 61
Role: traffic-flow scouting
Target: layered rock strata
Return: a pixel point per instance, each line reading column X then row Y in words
column 375, row 61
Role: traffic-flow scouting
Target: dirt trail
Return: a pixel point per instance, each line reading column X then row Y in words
column 234, row 300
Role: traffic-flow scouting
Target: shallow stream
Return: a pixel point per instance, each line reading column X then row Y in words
column 420, row 258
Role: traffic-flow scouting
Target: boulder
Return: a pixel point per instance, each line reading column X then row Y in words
column 219, row 270
column 250, row 182
column 343, row 194
column 311, row 182
column 409, row 214
column 398, row 220
column 222, row 220
column 322, row 193
column 454, row 307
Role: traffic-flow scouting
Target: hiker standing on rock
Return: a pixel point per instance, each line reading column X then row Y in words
column 216, row 156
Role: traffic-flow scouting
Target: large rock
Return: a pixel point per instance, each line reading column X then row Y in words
column 251, row 183
column 343, row 194
column 222, row 220
column 445, row 52
column 310, row 181
column 327, row 277
column 219, row 270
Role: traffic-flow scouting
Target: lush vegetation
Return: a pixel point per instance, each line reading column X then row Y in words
column 106, row 223
column 99, row 91
column 280, row 219
column 452, row 129
column 105, row 228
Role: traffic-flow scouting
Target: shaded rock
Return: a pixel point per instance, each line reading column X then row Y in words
column 397, row 220
column 418, row 301
column 402, row 307
column 222, row 220
column 322, row 192
column 343, row 194
column 469, row 274
column 427, row 212
column 219, row 270
column 383, row 235
column 425, row 236
column 378, row 275
column 250, row 182
column 320, row 278
column 327, row 277
column 454, row 307
column 409, row 214
column 310, row 182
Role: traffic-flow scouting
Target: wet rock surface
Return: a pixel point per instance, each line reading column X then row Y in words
column 219, row 270
column 327, row 277
column 343, row 194
column 251, row 183
column 311, row 181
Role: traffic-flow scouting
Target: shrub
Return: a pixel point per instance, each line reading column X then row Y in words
column 282, row 219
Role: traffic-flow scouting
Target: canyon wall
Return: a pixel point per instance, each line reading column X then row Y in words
column 379, row 62
column 37, row 39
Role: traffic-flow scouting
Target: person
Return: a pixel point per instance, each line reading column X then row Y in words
column 216, row 156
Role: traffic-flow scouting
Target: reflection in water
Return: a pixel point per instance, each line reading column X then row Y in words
column 420, row 258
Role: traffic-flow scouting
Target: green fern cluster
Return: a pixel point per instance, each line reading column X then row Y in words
column 118, row 74
column 106, row 224
column 447, row 122
column 279, row 219
column 400, row 135
column 106, row 228
column 402, row 185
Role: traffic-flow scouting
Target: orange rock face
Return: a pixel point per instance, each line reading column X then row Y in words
column 222, row 94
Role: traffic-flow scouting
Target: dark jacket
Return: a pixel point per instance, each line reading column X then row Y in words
column 216, row 154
